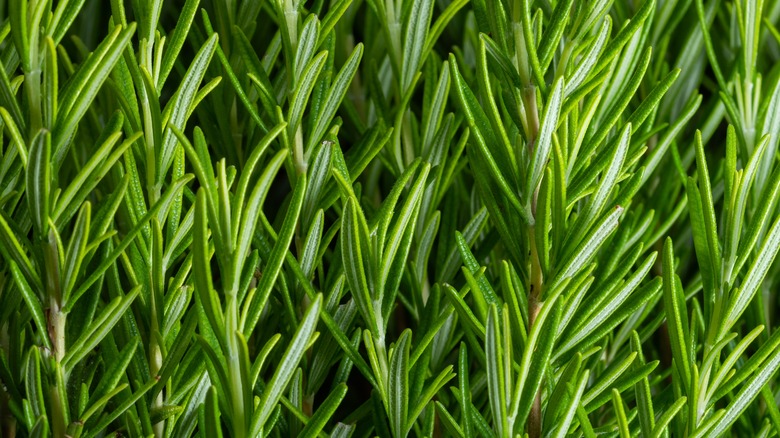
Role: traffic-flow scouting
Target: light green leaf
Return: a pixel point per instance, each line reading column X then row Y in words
column 274, row 262
column 590, row 244
column 544, row 143
column 324, row 412
column 98, row 272
column 180, row 105
column 250, row 213
column 740, row 297
column 484, row 136
column 99, row 329
column 16, row 136
column 398, row 384
column 83, row 87
column 306, row 81
column 39, row 181
column 286, row 367
column 307, row 43
column 708, row 209
column 497, row 379
column 13, row 250
column 535, row 361
column 609, row 180
column 82, row 185
column 32, row 301
column 746, row 395
column 588, row 62
column 126, row 404
column 667, row 417
column 76, row 251
column 620, row 414
column 561, row 430
column 676, row 316
column 335, row 95
column 399, row 239
column 416, row 35
column 725, row 368
column 176, row 39
column 590, row 320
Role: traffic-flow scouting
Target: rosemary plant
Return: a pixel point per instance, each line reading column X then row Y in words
column 390, row 218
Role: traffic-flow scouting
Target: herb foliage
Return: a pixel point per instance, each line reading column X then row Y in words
column 389, row 218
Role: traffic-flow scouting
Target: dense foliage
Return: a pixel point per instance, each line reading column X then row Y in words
column 389, row 218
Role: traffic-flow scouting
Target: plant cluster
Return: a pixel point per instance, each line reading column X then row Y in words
column 391, row 218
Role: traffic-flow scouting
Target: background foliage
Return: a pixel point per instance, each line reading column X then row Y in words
column 389, row 218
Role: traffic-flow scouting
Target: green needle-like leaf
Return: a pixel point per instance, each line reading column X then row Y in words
column 291, row 356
